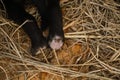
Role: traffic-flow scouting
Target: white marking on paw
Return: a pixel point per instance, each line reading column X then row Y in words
column 56, row 43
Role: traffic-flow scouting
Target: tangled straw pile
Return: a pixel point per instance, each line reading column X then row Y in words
column 91, row 50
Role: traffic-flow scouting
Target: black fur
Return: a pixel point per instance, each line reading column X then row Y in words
column 51, row 17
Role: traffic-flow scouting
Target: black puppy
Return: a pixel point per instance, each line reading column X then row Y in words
column 51, row 17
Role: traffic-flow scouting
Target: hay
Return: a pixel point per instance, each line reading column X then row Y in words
column 91, row 49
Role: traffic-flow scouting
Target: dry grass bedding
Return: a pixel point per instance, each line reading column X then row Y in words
column 91, row 50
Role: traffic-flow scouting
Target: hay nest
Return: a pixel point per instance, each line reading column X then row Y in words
column 91, row 50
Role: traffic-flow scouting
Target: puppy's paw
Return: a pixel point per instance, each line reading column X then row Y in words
column 36, row 51
column 56, row 42
column 37, row 46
